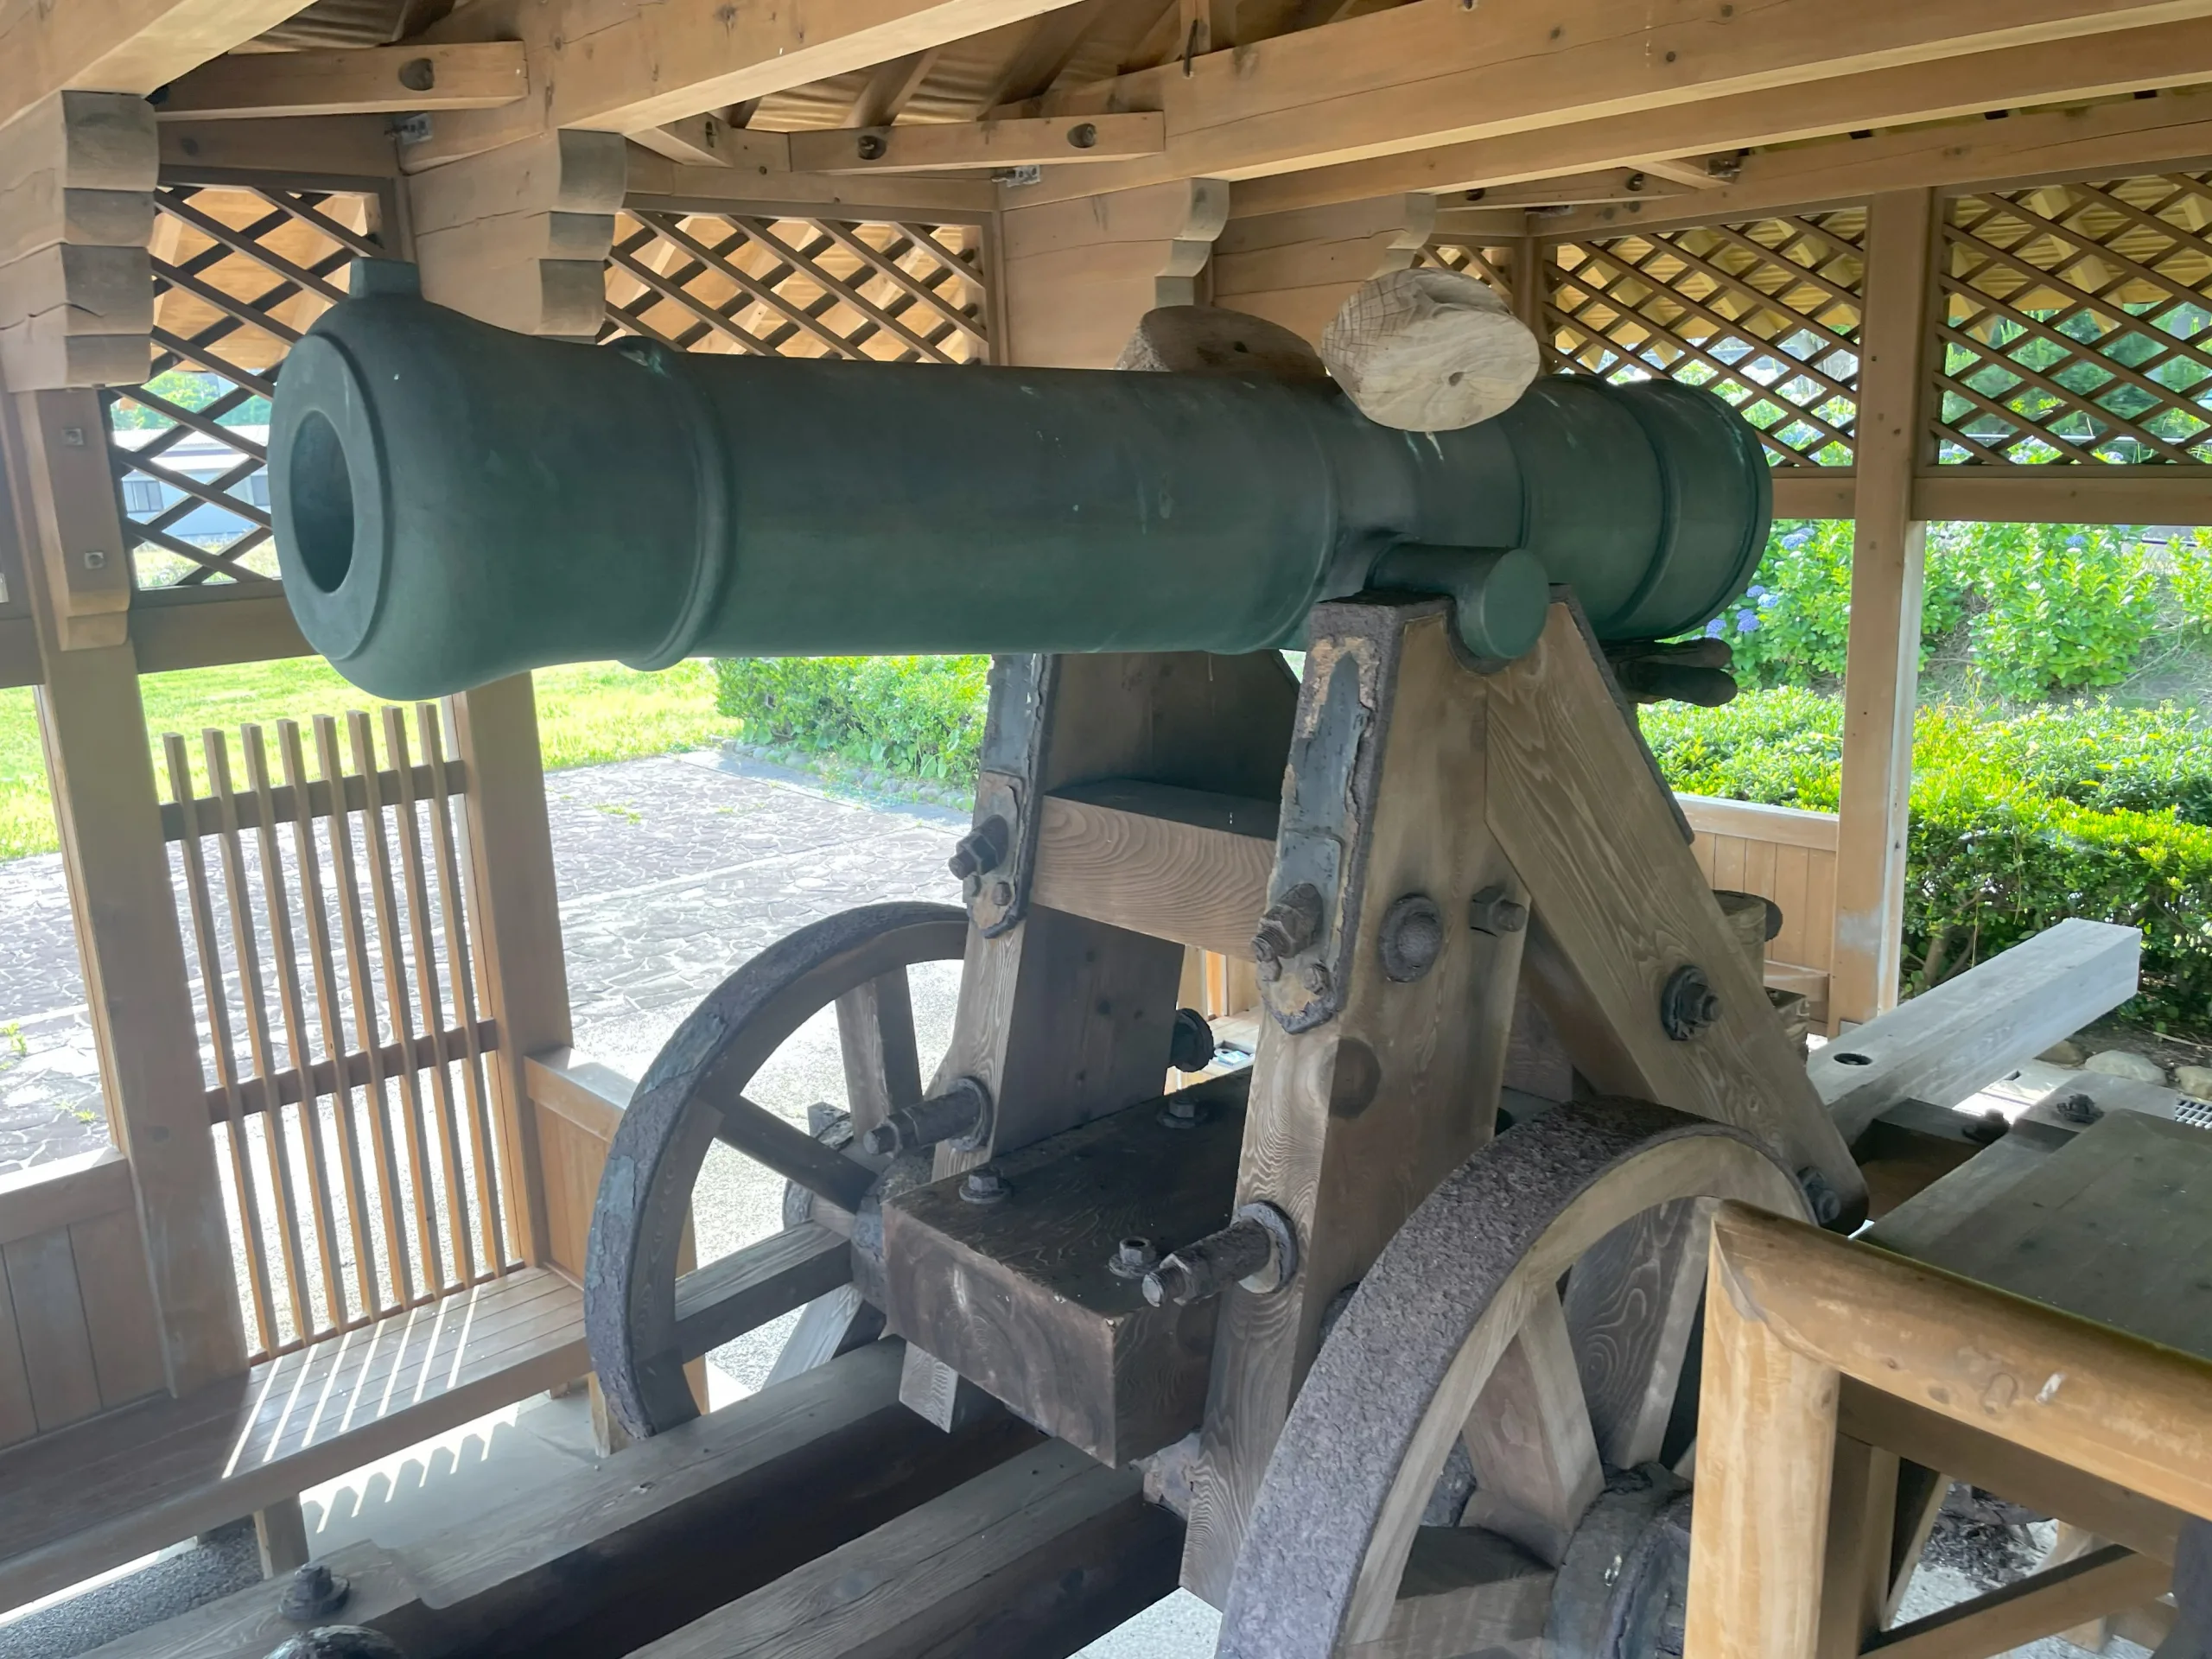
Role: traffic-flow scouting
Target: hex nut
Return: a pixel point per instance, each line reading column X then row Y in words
column 984, row 1185
column 313, row 1594
column 1412, row 938
column 1287, row 925
column 1494, row 912
column 1688, row 1003
column 1133, row 1258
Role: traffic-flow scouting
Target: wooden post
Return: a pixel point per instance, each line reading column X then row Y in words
column 108, row 815
column 1765, row 1457
column 1882, row 667
column 520, row 963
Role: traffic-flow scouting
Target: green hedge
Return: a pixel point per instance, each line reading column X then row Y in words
column 922, row 716
column 2017, row 823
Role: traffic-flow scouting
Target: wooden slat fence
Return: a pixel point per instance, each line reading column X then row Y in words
column 344, row 1037
column 1782, row 854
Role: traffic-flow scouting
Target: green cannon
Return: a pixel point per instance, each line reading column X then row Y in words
column 453, row 503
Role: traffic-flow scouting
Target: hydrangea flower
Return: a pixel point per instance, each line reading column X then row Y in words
column 1715, row 628
column 1747, row 621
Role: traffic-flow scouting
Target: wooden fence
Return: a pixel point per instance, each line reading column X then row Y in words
column 1785, row 855
column 355, row 1127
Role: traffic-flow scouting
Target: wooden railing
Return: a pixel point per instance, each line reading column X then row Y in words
column 78, row 1331
column 1786, row 855
column 355, row 1125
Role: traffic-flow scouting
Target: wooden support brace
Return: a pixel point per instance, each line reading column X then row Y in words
column 941, row 147
column 471, row 75
column 1298, row 268
column 519, row 236
column 1079, row 275
column 77, row 174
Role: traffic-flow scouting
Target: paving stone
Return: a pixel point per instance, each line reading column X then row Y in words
column 2123, row 1062
column 672, row 872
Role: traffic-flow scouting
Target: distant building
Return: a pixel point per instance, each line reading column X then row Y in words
column 205, row 461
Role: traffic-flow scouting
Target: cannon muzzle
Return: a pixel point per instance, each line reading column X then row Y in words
column 453, row 503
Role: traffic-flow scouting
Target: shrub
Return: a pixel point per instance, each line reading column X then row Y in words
column 2066, row 605
column 919, row 715
column 2017, row 822
column 2191, row 580
column 1792, row 623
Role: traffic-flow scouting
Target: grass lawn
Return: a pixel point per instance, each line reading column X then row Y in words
column 586, row 713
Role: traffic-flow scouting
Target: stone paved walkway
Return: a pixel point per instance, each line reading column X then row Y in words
column 673, row 871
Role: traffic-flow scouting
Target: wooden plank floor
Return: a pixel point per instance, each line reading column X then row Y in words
column 100, row 1492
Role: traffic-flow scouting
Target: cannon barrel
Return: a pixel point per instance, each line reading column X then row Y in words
column 453, row 503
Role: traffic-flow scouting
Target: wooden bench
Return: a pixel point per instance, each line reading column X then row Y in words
column 118, row 1485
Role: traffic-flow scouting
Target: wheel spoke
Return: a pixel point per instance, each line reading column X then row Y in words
column 1464, row 1591
column 1631, row 1306
column 1529, row 1436
column 793, row 1154
column 875, row 1032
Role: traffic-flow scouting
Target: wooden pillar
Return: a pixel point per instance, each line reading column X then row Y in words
column 1882, row 666
column 1298, row 268
column 1079, row 275
column 520, row 962
column 1530, row 257
column 64, row 510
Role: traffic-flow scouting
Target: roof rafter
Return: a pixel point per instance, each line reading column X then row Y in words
column 124, row 46
column 1434, row 74
column 2167, row 54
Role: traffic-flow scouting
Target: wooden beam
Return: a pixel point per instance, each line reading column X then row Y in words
column 2173, row 127
column 713, row 141
column 617, row 68
column 951, row 146
column 891, row 86
column 2108, row 1580
column 1078, row 275
column 1045, row 1552
column 474, row 75
column 1947, row 1043
column 1172, row 863
column 1639, row 183
column 2003, row 76
column 1882, row 665
column 1298, row 269
column 758, row 176
column 176, row 629
column 2089, row 494
column 124, row 46
column 329, row 146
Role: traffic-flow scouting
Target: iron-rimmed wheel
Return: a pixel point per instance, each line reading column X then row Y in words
column 693, row 1094
column 1403, row 1376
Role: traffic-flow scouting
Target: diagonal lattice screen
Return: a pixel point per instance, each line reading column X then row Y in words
column 1493, row 266
column 765, row 286
column 2075, row 324
column 239, row 274
column 1766, row 312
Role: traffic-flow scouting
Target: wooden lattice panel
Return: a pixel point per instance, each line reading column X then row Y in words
column 2075, row 324
column 239, row 273
column 1493, row 266
column 778, row 287
column 1766, row 312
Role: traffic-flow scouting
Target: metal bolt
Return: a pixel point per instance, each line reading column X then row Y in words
column 1412, row 938
column 1287, row 925
column 1316, row 978
column 1613, row 1572
column 1823, row 1200
column 418, row 74
column 872, row 146
column 313, row 1593
column 1633, row 184
column 1493, row 911
column 961, row 1114
column 1258, row 1249
column 1688, row 1003
column 1133, row 1259
column 2077, row 1108
column 72, row 438
column 984, row 1185
column 982, row 851
column 1084, row 136
column 94, row 559
column 1002, row 894
column 1191, row 1046
column 1181, row 1112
